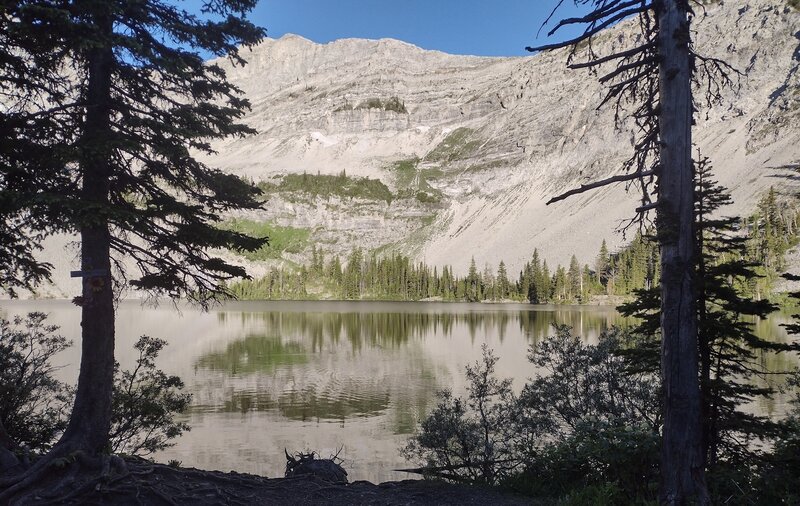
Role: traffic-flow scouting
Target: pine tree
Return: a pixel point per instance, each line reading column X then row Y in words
column 729, row 350
column 601, row 265
column 574, row 280
column 473, row 283
column 544, row 285
column 132, row 108
column 503, row 283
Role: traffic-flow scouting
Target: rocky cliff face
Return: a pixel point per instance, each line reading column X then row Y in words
column 469, row 149
column 489, row 140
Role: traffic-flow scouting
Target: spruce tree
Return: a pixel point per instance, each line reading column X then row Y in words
column 729, row 349
column 602, row 263
column 134, row 103
column 502, row 281
column 574, row 280
column 473, row 283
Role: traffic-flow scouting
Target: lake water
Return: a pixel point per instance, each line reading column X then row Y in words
column 328, row 375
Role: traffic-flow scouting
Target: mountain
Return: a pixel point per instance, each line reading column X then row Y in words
column 489, row 140
column 462, row 152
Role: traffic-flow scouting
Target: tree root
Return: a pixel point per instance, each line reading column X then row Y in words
column 59, row 474
column 85, row 480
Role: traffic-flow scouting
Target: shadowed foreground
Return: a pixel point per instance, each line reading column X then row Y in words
column 145, row 483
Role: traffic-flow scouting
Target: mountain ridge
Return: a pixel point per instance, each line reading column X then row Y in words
column 534, row 119
column 471, row 147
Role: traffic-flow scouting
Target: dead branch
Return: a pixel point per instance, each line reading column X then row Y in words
column 612, row 57
column 603, row 182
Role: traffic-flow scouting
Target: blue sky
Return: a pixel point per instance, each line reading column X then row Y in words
column 477, row 27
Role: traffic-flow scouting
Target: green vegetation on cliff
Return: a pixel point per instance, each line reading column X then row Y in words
column 281, row 239
column 328, row 185
column 769, row 234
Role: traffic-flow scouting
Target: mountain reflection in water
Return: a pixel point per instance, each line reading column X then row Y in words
column 327, row 375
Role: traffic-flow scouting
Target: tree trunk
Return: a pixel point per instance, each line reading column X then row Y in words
column 91, row 415
column 682, row 470
column 7, row 458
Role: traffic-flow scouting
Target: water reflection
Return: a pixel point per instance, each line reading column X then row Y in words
column 372, row 327
column 321, row 375
column 330, row 366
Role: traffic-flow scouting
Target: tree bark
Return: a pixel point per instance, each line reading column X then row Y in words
column 91, row 415
column 682, row 467
column 7, row 458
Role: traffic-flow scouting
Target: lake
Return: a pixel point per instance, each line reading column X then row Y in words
column 324, row 376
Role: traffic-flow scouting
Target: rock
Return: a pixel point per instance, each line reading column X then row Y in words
column 545, row 138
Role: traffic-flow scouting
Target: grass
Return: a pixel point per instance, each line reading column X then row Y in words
column 405, row 173
column 459, row 144
column 325, row 185
column 281, row 239
column 390, row 104
column 485, row 166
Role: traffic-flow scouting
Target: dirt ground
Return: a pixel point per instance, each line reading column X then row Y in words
column 156, row 484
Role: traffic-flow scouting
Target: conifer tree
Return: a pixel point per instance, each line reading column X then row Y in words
column 729, row 349
column 544, row 285
column 134, row 101
column 473, row 283
column 602, row 263
column 502, row 281
column 574, row 280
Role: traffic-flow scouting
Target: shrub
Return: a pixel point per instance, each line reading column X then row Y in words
column 584, row 430
column 394, row 104
column 469, row 439
column 390, row 104
column 34, row 406
column 145, row 403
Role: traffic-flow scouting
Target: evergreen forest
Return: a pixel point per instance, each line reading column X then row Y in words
column 767, row 235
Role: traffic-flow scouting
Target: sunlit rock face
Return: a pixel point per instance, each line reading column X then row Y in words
column 471, row 148
column 525, row 129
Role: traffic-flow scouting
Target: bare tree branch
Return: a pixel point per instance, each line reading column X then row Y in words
column 603, row 182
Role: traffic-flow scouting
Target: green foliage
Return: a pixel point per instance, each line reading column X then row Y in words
column 280, row 239
column 634, row 269
column 588, row 382
column 144, row 404
column 778, row 479
column 396, row 105
column 732, row 368
column 598, row 461
column 414, row 181
column 771, row 232
column 582, row 428
column 459, row 144
column 326, row 186
column 33, row 404
column 395, row 277
column 33, row 181
column 469, row 439
column 393, row 104
column 148, row 132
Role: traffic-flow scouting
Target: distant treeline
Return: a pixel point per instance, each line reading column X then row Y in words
column 771, row 232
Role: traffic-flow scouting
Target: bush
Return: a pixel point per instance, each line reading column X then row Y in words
column 584, row 430
column 34, row 406
column 394, row 104
column 391, row 104
column 145, row 403
column 469, row 439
